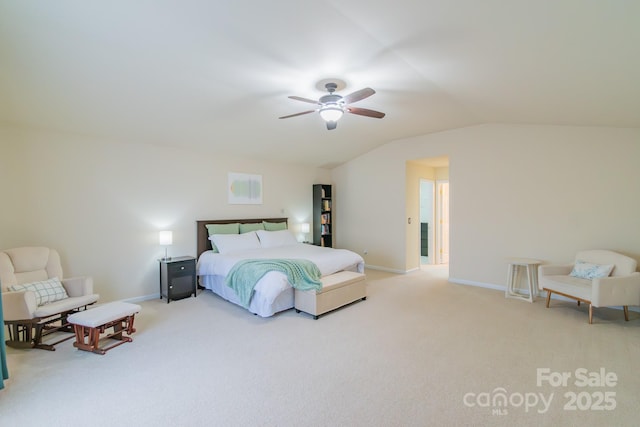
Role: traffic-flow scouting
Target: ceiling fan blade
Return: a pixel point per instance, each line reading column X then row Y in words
column 297, row 114
column 299, row 98
column 332, row 125
column 365, row 112
column 358, row 95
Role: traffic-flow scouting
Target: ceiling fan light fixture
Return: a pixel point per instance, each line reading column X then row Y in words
column 331, row 113
column 332, row 106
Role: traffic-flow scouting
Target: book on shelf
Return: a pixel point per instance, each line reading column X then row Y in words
column 326, row 205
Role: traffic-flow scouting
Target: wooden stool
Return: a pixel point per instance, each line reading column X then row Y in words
column 89, row 324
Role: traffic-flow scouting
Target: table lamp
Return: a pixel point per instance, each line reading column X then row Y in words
column 166, row 239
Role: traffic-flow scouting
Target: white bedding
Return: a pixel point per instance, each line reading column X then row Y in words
column 273, row 293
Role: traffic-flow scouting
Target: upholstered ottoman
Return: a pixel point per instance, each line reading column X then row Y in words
column 338, row 289
column 89, row 324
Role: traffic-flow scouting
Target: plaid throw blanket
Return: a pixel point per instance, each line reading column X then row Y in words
column 302, row 274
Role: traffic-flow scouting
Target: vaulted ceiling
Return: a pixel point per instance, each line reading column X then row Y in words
column 216, row 75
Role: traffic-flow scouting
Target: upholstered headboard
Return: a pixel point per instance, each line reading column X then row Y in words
column 203, row 242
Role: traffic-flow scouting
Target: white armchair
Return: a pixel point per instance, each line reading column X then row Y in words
column 41, row 307
column 600, row 278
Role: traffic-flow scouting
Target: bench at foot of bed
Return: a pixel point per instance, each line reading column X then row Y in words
column 338, row 290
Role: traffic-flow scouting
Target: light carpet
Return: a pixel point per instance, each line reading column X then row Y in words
column 418, row 352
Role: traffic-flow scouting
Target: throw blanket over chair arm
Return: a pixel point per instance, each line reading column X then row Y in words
column 78, row 286
column 19, row 305
column 616, row 290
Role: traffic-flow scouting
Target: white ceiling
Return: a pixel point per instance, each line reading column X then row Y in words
column 216, row 74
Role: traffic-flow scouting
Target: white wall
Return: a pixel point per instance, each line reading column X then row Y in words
column 12, row 199
column 102, row 203
column 534, row 191
column 529, row 191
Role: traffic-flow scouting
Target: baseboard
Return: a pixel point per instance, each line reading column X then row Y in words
column 142, row 298
column 501, row 288
column 540, row 294
column 478, row 284
column 388, row 270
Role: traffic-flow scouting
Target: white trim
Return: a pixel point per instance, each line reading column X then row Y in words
column 389, row 270
column 441, row 219
column 142, row 298
column 541, row 294
column 478, row 284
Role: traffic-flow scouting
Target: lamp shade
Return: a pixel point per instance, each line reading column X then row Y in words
column 304, row 227
column 166, row 238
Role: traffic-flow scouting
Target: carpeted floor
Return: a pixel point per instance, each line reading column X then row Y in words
column 418, row 352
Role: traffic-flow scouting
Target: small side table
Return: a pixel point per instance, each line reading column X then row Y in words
column 514, row 273
column 177, row 278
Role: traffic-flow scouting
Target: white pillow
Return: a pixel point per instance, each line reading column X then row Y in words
column 274, row 239
column 587, row 270
column 46, row 291
column 230, row 243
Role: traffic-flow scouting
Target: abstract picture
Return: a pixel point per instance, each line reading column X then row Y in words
column 245, row 189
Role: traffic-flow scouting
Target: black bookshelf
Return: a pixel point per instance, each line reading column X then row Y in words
column 322, row 215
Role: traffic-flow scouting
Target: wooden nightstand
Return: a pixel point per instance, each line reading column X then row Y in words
column 177, row 278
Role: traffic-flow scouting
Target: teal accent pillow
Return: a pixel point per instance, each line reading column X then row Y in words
column 233, row 228
column 245, row 228
column 587, row 270
column 274, row 226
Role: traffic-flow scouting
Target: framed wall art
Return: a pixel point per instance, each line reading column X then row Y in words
column 245, row 189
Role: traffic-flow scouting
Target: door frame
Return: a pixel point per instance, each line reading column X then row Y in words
column 441, row 254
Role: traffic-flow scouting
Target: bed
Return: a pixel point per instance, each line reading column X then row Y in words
column 273, row 293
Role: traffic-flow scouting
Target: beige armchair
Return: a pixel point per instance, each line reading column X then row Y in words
column 44, row 299
column 600, row 278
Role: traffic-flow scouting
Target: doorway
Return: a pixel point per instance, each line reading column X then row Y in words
column 434, row 222
column 432, row 244
column 427, row 215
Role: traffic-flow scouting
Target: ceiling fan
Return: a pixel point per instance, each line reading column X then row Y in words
column 333, row 106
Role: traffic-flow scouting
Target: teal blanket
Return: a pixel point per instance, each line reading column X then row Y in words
column 244, row 275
